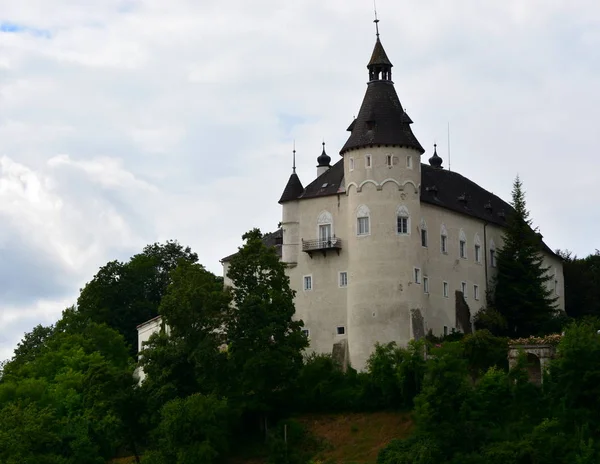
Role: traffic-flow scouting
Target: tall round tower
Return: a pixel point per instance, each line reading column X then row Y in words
column 382, row 173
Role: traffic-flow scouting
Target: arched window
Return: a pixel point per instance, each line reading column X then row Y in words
column 477, row 249
column 492, row 254
column 443, row 239
column 423, row 227
column 325, row 225
column 402, row 221
column 363, row 220
column 462, row 245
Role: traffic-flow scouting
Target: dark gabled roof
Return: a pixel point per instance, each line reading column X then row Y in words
column 292, row 190
column 379, row 57
column 272, row 239
column 381, row 120
column 453, row 191
column 328, row 183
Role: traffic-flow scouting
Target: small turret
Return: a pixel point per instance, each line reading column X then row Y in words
column 293, row 188
column 324, row 162
column 435, row 161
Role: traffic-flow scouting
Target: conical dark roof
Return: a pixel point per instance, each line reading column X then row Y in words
column 292, row 190
column 381, row 120
column 379, row 57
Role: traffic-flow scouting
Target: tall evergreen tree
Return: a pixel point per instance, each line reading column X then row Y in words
column 521, row 294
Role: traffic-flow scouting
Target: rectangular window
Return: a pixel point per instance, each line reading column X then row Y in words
column 463, row 249
column 409, row 162
column 425, row 284
column 343, row 279
column 324, row 232
column 352, row 164
column 402, row 225
column 341, row 330
column 363, row 226
column 444, row 244
column 476, row 292
column 367, row 161
column 388, row 160
column 424, row 237
column 445, row 288
column 477, row 253
column 493, row 258
column 445, row 330
column 306, row 332
column 307, row 283
column 463, row 289
column 417, row 275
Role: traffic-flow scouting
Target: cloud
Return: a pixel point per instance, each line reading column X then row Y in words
column 123, row 123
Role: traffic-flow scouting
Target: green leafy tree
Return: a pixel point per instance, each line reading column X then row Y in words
column 123, row 295
column 65, row 395
column 265, row 343
column 582, row 284
column 189, row 359
column 521, row 294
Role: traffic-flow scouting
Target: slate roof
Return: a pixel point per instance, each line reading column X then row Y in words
column 379, row 57
column 272, row 239
column 455, row 192
column 381, row 120
column 328, row 183
column 292, row 190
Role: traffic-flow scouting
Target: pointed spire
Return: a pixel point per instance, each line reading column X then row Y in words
column 293, row 188
column 380, row 66
column 294, row 159
column 435, row 161
column 381, row 119
column 324, row 159
column 376, row 20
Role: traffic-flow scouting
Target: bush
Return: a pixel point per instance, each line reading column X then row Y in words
column 193, row 429
column 322, row 386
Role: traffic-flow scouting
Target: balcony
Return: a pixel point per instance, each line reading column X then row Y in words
column 324, row 245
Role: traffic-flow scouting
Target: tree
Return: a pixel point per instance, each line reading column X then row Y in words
column 265, row 342
column 123, row 295
column 188, row 359
column 195, row 429
column 582, row 284
column 521, row 295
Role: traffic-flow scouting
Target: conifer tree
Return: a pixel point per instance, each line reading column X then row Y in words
column 521, row 294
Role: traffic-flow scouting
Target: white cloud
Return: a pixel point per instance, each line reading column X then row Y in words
column 143, row 120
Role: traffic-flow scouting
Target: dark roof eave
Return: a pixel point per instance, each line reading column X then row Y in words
column 420, row 149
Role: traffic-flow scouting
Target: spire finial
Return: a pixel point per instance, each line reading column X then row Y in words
column 294, row 159
column 376, row 20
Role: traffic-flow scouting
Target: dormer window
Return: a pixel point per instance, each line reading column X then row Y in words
column 368, row 161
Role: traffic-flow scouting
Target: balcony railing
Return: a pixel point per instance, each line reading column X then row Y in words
column 323, row 245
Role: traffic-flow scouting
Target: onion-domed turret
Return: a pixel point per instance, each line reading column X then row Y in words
column 324, row 162
column 435, row 161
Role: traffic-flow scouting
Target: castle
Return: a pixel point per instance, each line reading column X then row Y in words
column 381, row 247
column 379, row 244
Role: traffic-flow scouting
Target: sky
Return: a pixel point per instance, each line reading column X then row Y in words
column 129, row 122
